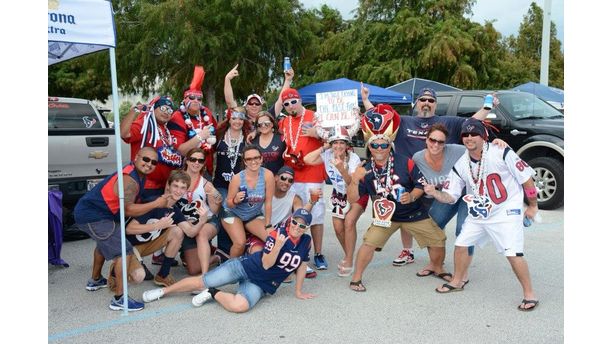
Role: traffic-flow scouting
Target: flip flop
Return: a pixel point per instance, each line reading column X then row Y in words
column 444, row 274
column 427, row 273
column 344, row 272
column 360, row 288
column 450, row 289
column 526, row 302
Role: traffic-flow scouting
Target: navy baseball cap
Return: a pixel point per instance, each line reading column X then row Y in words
column 165, row 100
column 304, row 215
column 427, row 92
column 286, row 169
column 474, row 126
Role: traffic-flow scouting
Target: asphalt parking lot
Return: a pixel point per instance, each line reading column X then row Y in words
column 397, row 307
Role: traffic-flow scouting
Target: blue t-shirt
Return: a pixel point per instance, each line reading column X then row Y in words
column 412, row 130
column 156, row 213
column 291, row 255
column 411, row 212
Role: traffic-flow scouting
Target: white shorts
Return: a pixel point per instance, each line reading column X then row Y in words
column 507, row 236
column 318, row 209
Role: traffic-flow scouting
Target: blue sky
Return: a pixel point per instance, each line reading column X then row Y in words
column 507, row 13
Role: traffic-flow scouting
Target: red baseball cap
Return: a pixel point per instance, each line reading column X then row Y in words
column 290, row 93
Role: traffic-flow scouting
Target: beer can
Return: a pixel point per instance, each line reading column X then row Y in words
column 399, row 192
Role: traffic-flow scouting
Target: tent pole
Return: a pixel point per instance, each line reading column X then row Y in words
column 116, row 125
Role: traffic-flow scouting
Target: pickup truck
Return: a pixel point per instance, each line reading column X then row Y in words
column 531, row 126
column 81, row 151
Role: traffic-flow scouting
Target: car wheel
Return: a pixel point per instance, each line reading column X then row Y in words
column 549, row 181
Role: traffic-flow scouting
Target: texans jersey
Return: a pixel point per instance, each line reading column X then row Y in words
column 290, row 257
column 150, row 217
column 502, row 184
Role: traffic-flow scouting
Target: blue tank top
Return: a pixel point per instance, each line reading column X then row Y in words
column 252, row 204
column 101, row 202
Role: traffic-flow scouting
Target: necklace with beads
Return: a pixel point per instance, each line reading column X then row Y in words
column 383, row 182
column 294, row 141
column 165, row 135
column 232, row 147
column 477, row 174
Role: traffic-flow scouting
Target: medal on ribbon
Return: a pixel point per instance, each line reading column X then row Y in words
column 383, row 211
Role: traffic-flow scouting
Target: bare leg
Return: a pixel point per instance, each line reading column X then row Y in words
column 98, row 264
column 521, row 270
column 175, row 239
column 406, row 239
column 186, row 284
column 207, row 232
column 257, row 228
column 192, row 258
column 364, row 257
column 350, row 233
column 462, row 262
column 317, row 237
column 237, row 234
column 339, row 230
column 235, row 303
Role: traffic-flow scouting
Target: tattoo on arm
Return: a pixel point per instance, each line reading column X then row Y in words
column 130, row 190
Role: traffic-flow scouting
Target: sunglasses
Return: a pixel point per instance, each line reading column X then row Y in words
column 286, row 179
column 301, row 225
column 469, row 135
column 434, row 141
column 255, row 158
column 264, row 124
column 147, row 160
column 200, row 160
column 291, row 102
column 166, row 109
column 254, row 103
column 430, row 100
column 380, row 145
column 193, row 97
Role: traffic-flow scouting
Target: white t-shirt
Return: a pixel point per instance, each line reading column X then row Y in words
column 332, row 172
column 503, row 179
column 282, row 208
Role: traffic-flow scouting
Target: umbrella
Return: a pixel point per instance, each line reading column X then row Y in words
column 76, row 28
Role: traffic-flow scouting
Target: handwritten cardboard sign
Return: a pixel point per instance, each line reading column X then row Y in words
column 335, row 108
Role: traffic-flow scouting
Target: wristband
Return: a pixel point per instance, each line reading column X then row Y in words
column 269, row 225
column 531, row 192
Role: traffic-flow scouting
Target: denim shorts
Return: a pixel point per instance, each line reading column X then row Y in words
column 232, row 272
column 442, row 213
column 107, row 235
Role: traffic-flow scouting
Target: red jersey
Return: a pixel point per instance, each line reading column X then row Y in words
column 197, row 122
column 291, row 130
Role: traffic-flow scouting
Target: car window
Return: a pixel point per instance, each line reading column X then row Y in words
column 442, row 106
column 469, row 105
column 522, row 105
column 64, row 115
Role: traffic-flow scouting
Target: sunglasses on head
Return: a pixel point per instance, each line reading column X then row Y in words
column 434, row 141
column 264, row 124
column 146, row 159
column 255, row 158
column 200, row 160
column 469, row 135
column 166, row 109
column 301, row 225
column 379, row 145
column 431, row 100
column 194, row 97
column 286, row 179
column 291, row 102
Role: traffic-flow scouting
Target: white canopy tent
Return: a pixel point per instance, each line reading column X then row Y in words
column 76, row 28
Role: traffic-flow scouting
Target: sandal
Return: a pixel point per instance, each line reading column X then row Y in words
column 444, row 274
column 450, row 289
column 344, row 272
column 526, row 302
column 357, row 286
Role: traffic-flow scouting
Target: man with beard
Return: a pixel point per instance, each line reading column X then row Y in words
column 395, row 195
column 301, row 137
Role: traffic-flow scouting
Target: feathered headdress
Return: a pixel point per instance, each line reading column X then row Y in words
column 196, row 82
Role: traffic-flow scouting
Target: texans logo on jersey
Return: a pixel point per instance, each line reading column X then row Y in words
column 478, row 206
column 190, row 212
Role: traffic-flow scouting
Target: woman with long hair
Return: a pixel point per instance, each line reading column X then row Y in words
column 340, row 163
column 248, row 191
column 269, row 141
column 197, row 251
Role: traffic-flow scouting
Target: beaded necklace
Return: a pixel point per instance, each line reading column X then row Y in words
column 232, row 147
column 477, row 179
column 293, row 142
column 383, row 183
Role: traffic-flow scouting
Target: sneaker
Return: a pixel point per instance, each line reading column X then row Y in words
column 133, row 305
column 405, row 257
column 148, row 275
column 152, row 295
column 201, row 298
column 159, row 260
column 97, row 284
column 320, row 262
column 310, row 273
column 164, row 281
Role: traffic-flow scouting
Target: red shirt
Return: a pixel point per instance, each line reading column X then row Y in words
column 183, row 134
column 303, row 146
column 156, row 179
